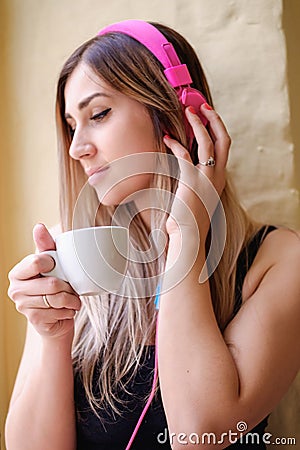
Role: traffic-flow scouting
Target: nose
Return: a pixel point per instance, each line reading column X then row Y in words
column 81, row 148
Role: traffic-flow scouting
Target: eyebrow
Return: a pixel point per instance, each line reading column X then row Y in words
column 85, row 102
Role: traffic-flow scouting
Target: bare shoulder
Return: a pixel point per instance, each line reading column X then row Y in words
column 280, row 248
column 282, row 242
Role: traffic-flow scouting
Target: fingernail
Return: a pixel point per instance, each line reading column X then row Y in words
column 166, row 136
column 207, row 106
column 192, row 110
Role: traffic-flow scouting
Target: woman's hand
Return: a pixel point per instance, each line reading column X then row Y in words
column 199, row 186
column 27, row 288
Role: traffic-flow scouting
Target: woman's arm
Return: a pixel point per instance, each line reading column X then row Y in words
column 42, row 413
column 210, row 382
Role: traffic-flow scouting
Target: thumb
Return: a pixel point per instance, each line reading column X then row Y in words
column 42, row 238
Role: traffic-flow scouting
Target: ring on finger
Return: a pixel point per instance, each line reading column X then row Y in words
column 45, row 300
column 211, row 162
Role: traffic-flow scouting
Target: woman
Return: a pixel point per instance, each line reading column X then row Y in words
column 228, row 343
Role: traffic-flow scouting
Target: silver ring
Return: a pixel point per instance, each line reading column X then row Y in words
column 210, row 162
column 45, row 300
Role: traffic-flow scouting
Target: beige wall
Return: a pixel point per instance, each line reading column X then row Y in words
column 290, row 21
column 252, row 67
column 285, row 419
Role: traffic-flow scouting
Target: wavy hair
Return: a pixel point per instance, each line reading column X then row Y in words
column 114, row 329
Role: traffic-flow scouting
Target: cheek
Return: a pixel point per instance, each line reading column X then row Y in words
column 145, row 134
column 135, row 134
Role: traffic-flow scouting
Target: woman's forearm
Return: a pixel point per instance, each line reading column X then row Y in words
column 197, row 371
column 43, row 415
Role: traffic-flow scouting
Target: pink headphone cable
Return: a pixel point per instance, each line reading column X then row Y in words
column 155, row 379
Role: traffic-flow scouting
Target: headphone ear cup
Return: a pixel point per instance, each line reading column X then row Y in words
column 192, row 97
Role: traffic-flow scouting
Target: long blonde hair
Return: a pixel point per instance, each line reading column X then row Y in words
column 114, row 329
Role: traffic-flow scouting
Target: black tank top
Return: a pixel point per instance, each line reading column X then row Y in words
column 114, row 432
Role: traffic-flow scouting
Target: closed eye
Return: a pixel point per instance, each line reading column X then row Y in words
column 96, row 117
column 101, row 115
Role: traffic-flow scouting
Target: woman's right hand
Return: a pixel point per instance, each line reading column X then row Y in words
column 27, row 288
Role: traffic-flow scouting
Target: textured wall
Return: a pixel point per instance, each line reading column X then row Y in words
column 243, row 49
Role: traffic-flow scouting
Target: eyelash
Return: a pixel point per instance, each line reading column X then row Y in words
column 101, row 115
column 96, row 117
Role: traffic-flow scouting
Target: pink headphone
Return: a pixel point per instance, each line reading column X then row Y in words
column 176, row 73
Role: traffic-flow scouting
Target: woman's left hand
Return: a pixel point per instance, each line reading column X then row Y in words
column 199, row 186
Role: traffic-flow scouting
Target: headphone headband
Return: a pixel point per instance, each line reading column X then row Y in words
column 176, row 73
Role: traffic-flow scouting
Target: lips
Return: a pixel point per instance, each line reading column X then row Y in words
column 95, row 174
column 94, row 170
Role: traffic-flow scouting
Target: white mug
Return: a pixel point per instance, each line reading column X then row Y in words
column 93, row 260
